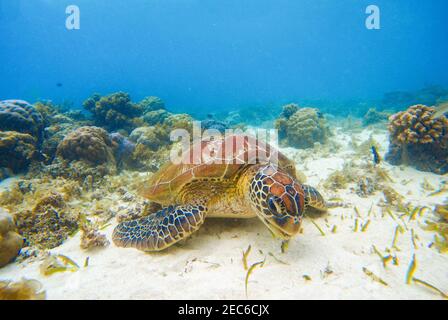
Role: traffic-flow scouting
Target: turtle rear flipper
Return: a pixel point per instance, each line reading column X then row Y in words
column 160, row 230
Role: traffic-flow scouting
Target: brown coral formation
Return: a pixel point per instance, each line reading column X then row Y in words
column 17, row 150
column 48, row 224
column 419, row 139
column 153, row 144
column 301, row 127
column 20, row 116
column 115, row 111
column 152, row 103
column 417, row 126
column 10, row 241
column 92, row 238
column 22, row 290
column 90, row 144
column 84, row 149
column 440, row 226
column 41, row 212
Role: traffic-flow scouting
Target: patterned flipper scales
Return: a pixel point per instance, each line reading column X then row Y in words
column 160, row 230
column 313, row 198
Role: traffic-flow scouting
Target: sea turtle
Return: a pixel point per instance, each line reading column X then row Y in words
column 233, row 177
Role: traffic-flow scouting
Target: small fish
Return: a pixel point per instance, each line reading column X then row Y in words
column 59, row 84
column 251, row 269
column 376, row 156
column 374, row 277
column 245, row 255
column 441, row 109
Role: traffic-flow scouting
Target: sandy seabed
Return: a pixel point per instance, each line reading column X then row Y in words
column 209, row 264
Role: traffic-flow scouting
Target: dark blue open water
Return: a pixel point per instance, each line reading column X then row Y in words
column 203, row 55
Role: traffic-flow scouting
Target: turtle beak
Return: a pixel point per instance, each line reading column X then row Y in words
column 283, row 227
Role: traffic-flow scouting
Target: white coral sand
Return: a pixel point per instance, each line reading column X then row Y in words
column 209, row 265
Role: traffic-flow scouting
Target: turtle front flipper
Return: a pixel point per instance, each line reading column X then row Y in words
column 161, row 229
column 314, row 199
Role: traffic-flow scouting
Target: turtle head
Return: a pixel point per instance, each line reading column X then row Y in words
column 278, row 200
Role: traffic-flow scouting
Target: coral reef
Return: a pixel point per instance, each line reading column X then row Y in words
column 301, row 127
column 20, row 116
column 429, row 95
column 373, row 116
column 153, row 137
column 440, row 226
column 10, row 241
column 54, row 134
column 418, row 139
column 213, row 124
column 17, row 150
column 156, row 116
column 365, row 187
column 123, row 150
column 41, row 209
column 58, row 123
column 178, row 121
column 151, row 146
column 5, row 173
column 233, row 118
column 289, row 110
column 22, row 290
column 48, row 224
column 115, row 111
column 152, row 103
column 91, row 237
column 340, row 179
column 91, row 146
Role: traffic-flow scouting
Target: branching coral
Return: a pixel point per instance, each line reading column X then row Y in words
column 20, row 116
column 302, row 128
column 417, row 126
column 419, row 139
column 115, row 111
column 10, row 241
column 17, row 150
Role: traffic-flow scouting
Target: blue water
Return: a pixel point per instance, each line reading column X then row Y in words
column 207, row 55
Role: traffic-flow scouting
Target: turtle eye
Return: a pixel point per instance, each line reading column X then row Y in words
column 276, row 206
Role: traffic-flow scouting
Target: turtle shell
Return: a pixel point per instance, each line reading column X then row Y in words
column 216, row 160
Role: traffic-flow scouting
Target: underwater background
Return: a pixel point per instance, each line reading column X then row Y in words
column 204, row 56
